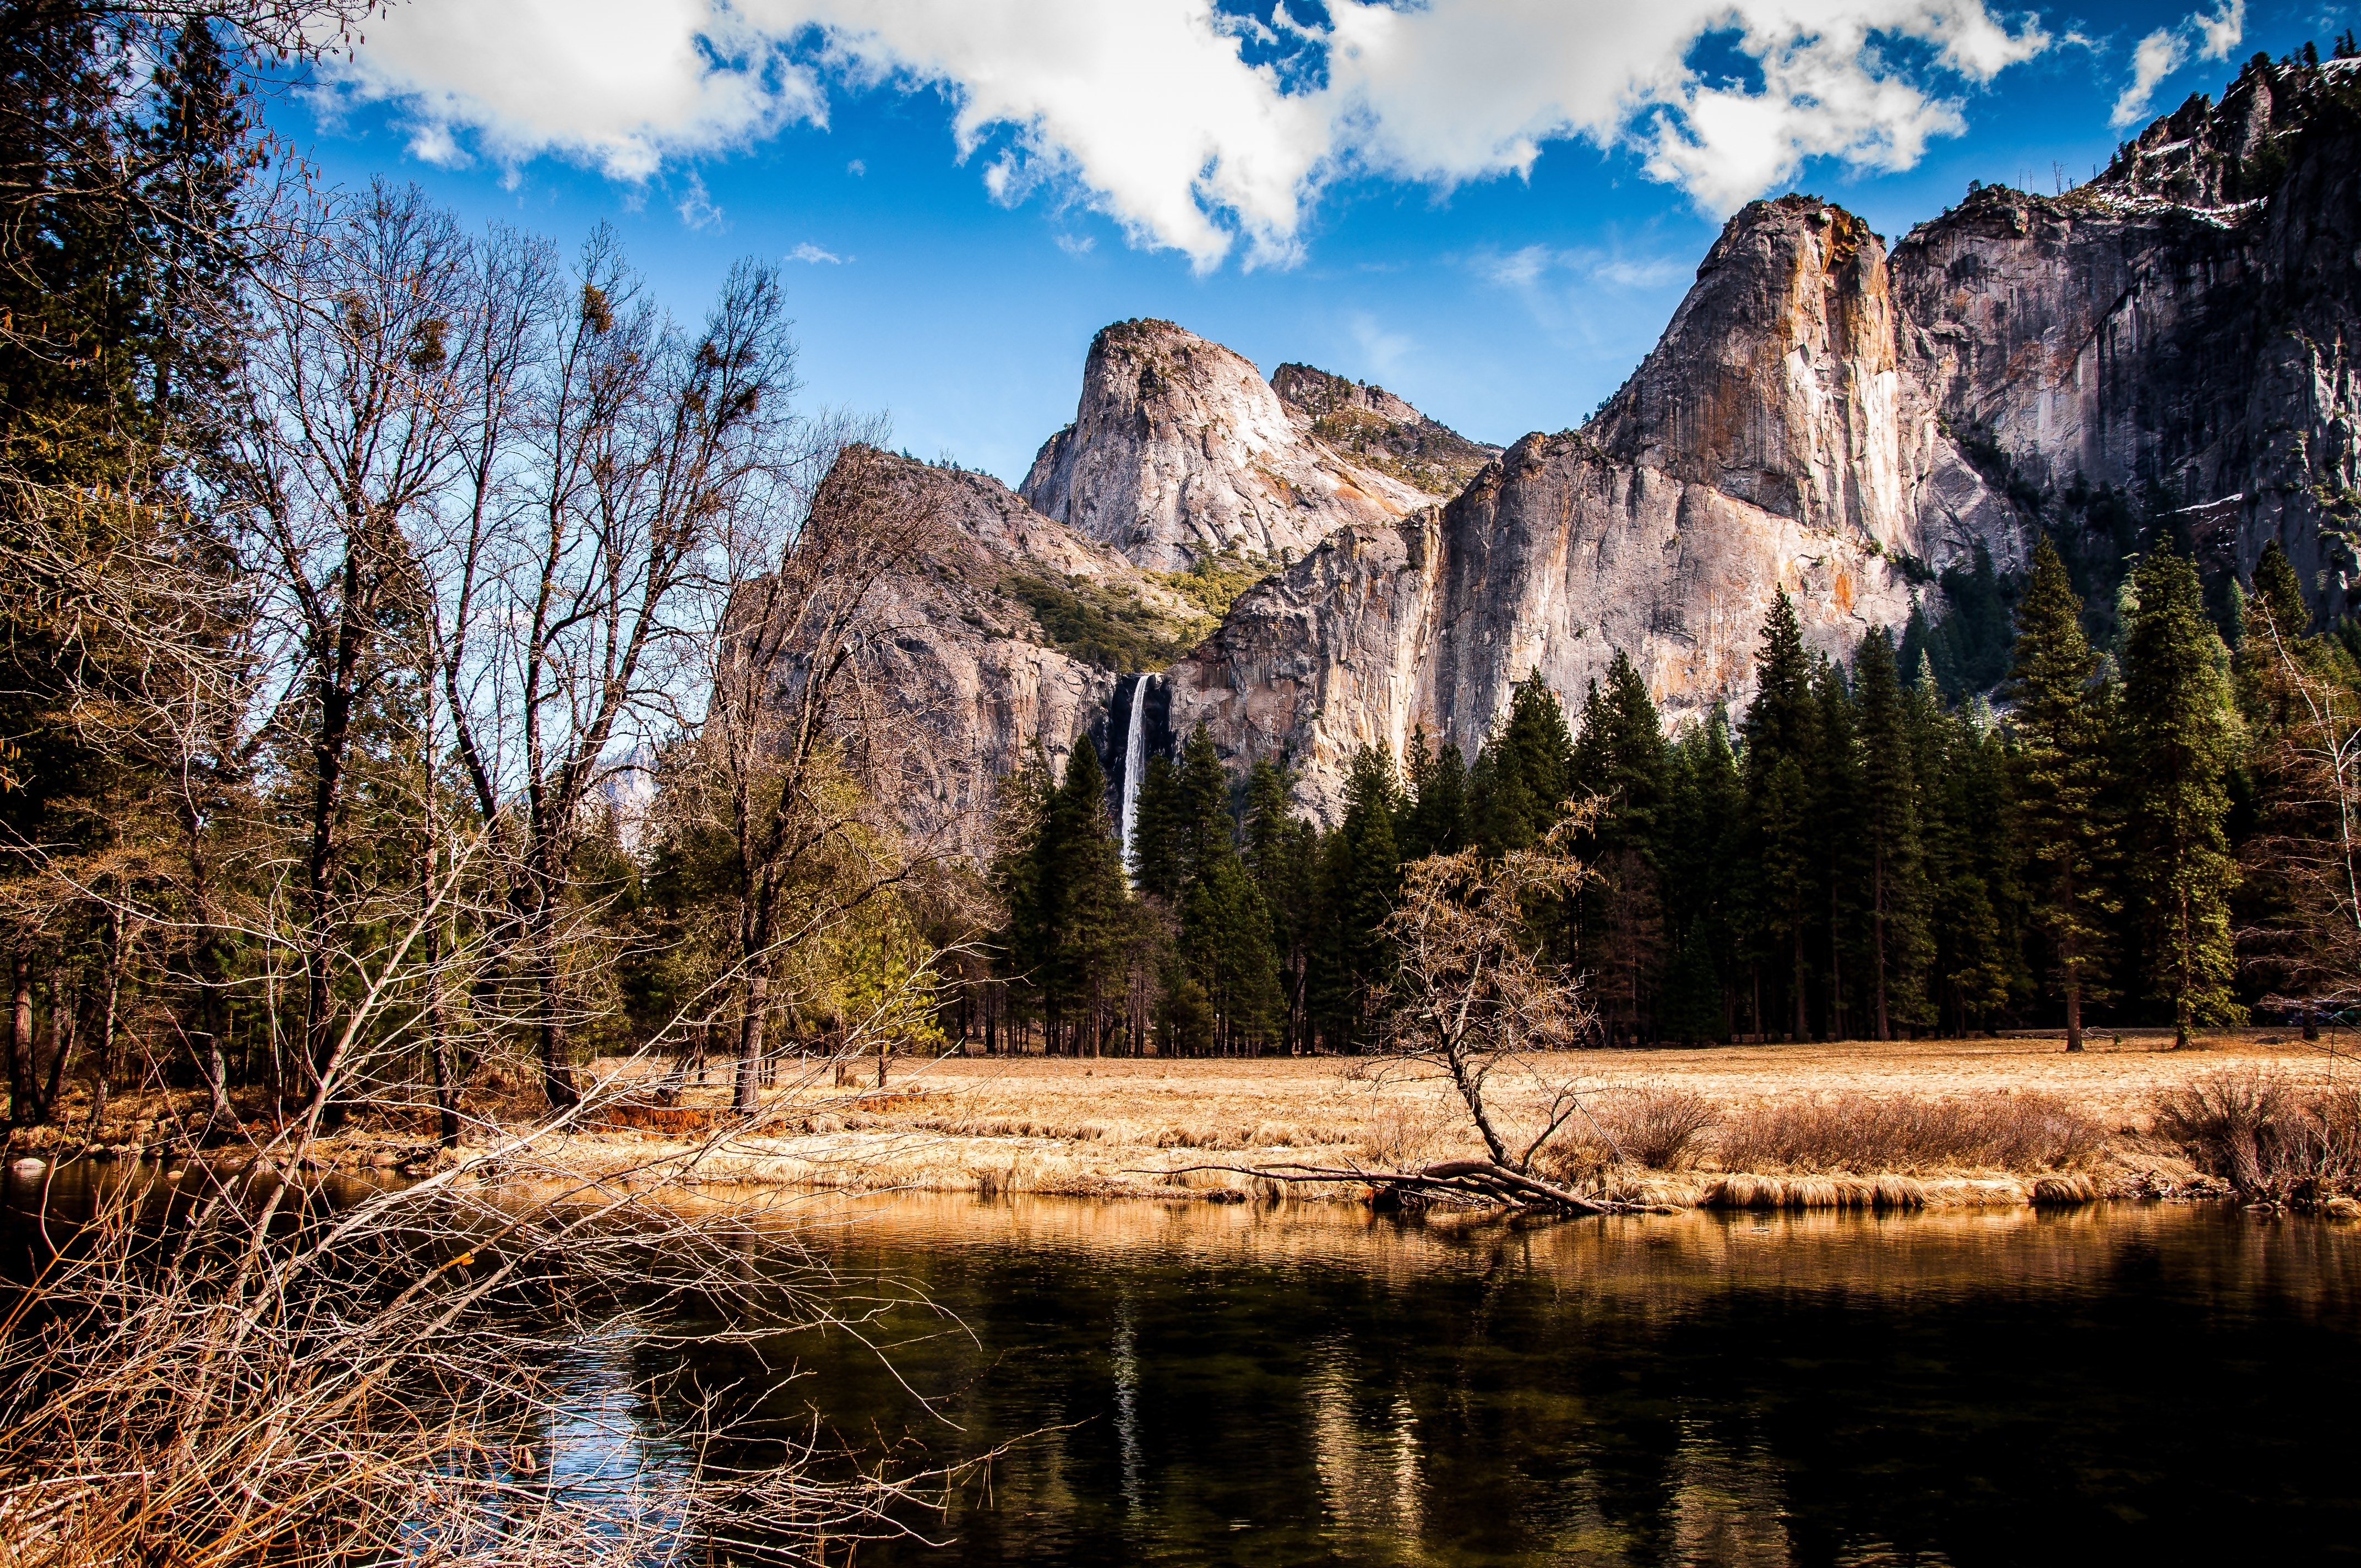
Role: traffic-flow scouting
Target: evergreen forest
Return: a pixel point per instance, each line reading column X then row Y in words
column 2131, row 834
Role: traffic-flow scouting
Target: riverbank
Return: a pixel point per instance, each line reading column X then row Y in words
column 1923, row 1124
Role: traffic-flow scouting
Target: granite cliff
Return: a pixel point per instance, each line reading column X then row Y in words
column 1773, row 442
column 1179, row 449
column 1012, row 633
column 2169, row 346
column 2181, row 328
column 1841, row 423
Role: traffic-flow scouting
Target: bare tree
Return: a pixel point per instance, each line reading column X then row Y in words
column 348, row 399
column 1474, row 997
column 565, row 591
column 2306, row 856
column 793, row 754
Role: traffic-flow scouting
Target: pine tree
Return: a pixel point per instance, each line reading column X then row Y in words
column 1782, row 855
column 1083, row 902
column 1835, row 774
column 1359, row 875
column 1436, row 818
column 2062, row 725
column 1158, row 864
column 1696, row 850
column 2182, row 737
column 1975, row 933
column 1202, row 808
column 2301, row 848
column 1523, row 774
column 1889, row 837
column 1619, row 756
column 1022, row 954
column 1282, row 850
column 1226, row 936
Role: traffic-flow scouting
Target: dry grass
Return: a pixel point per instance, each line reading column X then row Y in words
column 1857, row 1131
column 2272, row 1138
column 1977, row 1122
column 1651, row 1126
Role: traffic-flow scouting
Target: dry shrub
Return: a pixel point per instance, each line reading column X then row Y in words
column 1862, row 1132
column 1400, row 1135
column 675, row 1121
column 2273, row 1140
column 1641, row 1125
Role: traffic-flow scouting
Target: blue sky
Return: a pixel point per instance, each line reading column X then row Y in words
column 1494, row 219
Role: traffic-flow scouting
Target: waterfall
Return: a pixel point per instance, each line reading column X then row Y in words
column 1135, row 759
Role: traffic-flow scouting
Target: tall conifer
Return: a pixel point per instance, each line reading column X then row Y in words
column 1782, row 858
column 1889, row 836
column 2062, row 725
column 2182, row 737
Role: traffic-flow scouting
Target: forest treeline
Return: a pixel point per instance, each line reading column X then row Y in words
column 430, row 666
column 2154, row 830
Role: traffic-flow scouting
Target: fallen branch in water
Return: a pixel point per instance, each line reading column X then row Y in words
column 1479, row 1179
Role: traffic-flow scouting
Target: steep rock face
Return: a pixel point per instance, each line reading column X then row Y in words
column 1179, row 449
column 1773, row 441
column 1554, row 558
column 968, row 672
column 2184, row 326
column 1780, row 383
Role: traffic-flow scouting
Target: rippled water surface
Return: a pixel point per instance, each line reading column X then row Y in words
column 1194, row 1384
column 1204, row 1385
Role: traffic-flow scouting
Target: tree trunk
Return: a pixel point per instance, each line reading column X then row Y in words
column 749, row 1043
column 64, row 1014
column 2180, row 999
column 1803, row 1029
column 110, row 1003
column 20, row 1043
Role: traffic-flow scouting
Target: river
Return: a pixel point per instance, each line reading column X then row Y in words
column 1199, row 1384
column 1203, row 1384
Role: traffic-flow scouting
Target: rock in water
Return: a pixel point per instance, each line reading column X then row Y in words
column 1179, row 449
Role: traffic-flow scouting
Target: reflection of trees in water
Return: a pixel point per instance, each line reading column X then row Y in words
column 1364, row 1447
column 1728, row 1506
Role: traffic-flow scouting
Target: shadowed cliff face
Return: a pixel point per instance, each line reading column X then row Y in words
column 2183, row 327
column 967, row 669
column 1179, row 448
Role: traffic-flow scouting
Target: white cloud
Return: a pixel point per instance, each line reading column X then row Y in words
column 2210, row 35
column 2219, row 33
column 814, row 255
column 1150, row 109
column 697, row 208
column 618, row 83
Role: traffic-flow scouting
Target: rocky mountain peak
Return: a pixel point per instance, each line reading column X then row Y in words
column 2206, row 155
column 1380, row 431
column 1776, row 383
column 1180, row 450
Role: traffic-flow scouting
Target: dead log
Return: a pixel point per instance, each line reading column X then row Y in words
column 1482, row 1179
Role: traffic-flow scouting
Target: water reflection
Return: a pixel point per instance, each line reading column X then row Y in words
column 1196, row 1384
